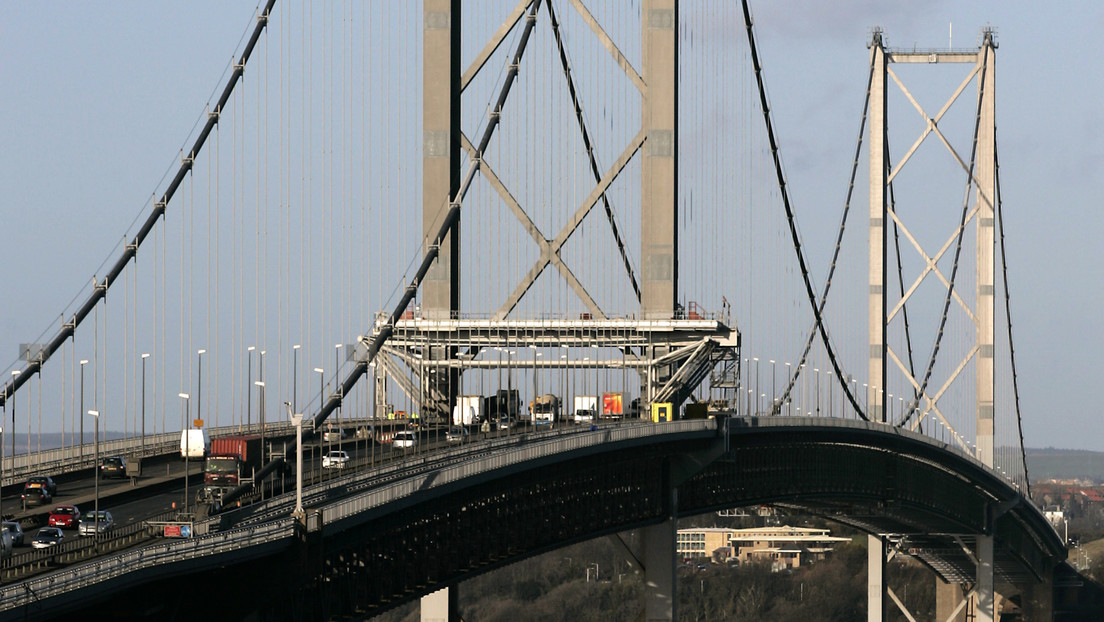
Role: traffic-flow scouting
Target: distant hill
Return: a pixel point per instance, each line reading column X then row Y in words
column 1053, row 463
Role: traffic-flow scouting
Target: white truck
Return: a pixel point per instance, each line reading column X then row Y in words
column 586, row 408
column 545, row 410
column 468, row 410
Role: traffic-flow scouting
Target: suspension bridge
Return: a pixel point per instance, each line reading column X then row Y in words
column 388, row 214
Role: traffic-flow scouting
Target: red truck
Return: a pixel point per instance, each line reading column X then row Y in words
column 230, row 459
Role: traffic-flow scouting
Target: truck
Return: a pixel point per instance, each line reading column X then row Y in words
column 612, row 406
column 505, row 404
column 545, row 410
column 231, row 459
column 586, row 408
column 469, row 410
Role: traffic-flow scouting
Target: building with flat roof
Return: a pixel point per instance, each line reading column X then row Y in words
column 784, row 547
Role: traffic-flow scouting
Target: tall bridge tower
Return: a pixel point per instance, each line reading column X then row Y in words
column 975, row 163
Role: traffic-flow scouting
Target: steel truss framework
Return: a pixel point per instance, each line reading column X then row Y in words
column 672, row 357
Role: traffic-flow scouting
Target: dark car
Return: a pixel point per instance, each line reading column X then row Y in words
column 113, row 466
column 46, row 537
column 16, row 531
column 37, row 496
column 42, row 481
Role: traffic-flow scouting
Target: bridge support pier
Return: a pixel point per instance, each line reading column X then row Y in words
column 950, row 602
column 660, row 590
column 985, row 592
column 1037, row 601
column 875, row 579
column 440, row 606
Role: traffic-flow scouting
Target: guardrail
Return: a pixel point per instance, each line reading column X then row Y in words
column 274, row 523
column 524, row 452
column 17, row 468
column 74, row 549
column 161, row 554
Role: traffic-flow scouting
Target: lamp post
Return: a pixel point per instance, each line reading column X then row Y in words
column 248, row 391
column 186, row 405
column 96, row 469
column 756, row 359
column 294, row 377
column 774, row 390
column 789, row 402
column 144, row 357
column 321, row 388
column 261, row 384
column 297, row 421
column 816, row 370
column 15, row 373
column 199, row 393
column 337, row 389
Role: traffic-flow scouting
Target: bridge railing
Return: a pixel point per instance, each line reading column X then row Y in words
column 26, row 593
column 502, row 458
column 59, row 460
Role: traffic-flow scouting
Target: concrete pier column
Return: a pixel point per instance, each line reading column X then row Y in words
column 875, row 579
column 440, row 606
column 986, row 603
column 950, row 603
column 660, row 590
column 1037, row 601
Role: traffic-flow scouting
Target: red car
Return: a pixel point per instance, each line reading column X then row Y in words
column 65, row 516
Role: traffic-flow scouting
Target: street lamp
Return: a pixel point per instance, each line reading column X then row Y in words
column 774, row 391
column 199, row 394
column 15, row 372
column 261, row 384
column 816, row 370
column 297, row 421
column 248, row 391
column 337, row 389
column 294, row 377
column 96, row 469
column 144, row 357
column 756, row 359
column 186, row 404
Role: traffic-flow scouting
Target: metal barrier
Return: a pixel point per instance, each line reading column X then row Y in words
column 169, row 552
column 77, row 457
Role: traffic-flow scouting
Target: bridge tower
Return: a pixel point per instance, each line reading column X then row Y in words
column 443, row 191
column 980, row 168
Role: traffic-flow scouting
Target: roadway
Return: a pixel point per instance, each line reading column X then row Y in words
column 155, row 491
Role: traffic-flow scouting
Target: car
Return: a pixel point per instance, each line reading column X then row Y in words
column 113, row 466
column 6, row 543
column 335, row 460
column 65, row 517
column 456, row 434
column 47, row 537
column 16, row 531
column 332, row 435
column 37, row 496
column 41, row 481
column 89, row 525
column 404, row 439
column 505, row 422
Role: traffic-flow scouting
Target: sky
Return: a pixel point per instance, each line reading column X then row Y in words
column 99, row 98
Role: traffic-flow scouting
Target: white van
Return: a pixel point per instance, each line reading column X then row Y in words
column 194, row 443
